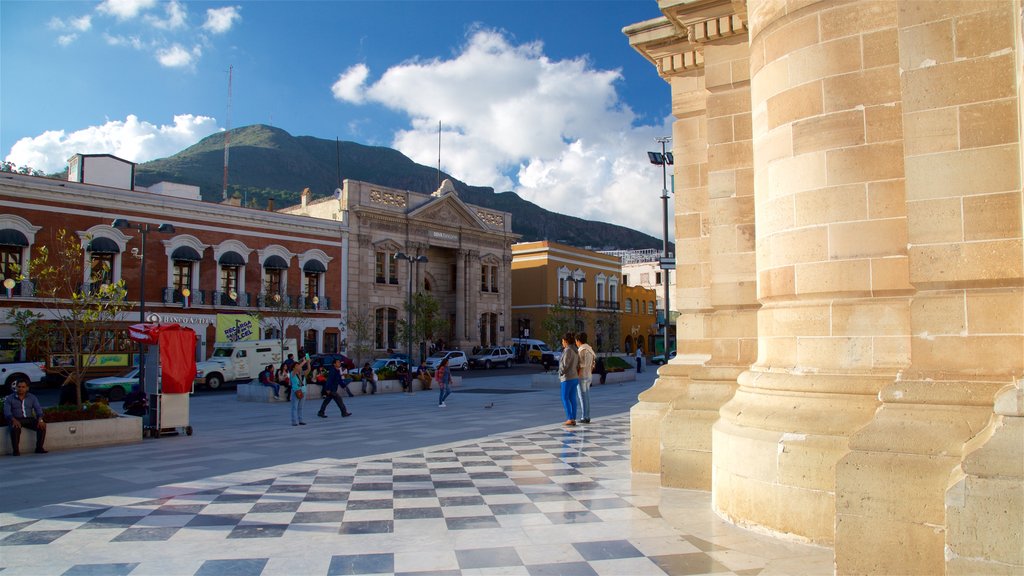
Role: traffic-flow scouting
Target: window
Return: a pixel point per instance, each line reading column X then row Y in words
column 657, row 278
column 386, row 268
column 488, row 278
column 10, row 262
column 312, row 288
column 385, row 321
column 645, row 278
column 272, row 280
column 182, row 275
column 309, row 338
column 629, row 305
column 229, row 281
column 102, row 268
column 650, row 307
column 625, row 279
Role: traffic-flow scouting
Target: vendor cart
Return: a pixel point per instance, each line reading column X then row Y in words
column 168, row 376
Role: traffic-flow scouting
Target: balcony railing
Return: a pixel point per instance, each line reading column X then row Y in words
column 608, row 304
column 324, row 303
column 23, row 289
column 221, row 298
column 174, row 296
column 268, row 301
column 572, row 302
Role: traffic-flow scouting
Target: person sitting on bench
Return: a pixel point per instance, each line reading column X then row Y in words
column 22, row 409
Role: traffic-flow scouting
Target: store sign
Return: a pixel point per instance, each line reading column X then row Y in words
column 237, row 327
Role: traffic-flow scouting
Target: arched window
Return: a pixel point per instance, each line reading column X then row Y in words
column 629, row 305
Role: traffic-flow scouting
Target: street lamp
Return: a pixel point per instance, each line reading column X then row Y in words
column 408, row 308
column 9, row 285
column 577, row 302
column 664, row 159
column 143, row 229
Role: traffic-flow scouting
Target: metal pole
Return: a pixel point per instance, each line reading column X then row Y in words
column 408, row 318
column 143, row 230
column 664, row 243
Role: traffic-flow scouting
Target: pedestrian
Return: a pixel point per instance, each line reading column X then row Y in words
column 639, row 360
column 368, row 378
column 298, row 381
column 568, row 374
column 424, row 376
column 267, row 379
column 444, row 382
column 601, row 370
column 586, row 367
column 283, row 378
column 23, row 410
column 331, row 392
column 404, row 377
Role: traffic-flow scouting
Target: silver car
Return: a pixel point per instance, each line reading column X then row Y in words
column 491, row 357
column 456, row 360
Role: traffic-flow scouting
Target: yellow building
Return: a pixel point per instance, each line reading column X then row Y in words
column 639, row 326
column 572, row 288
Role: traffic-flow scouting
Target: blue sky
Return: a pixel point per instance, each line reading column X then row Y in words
column 545, row 98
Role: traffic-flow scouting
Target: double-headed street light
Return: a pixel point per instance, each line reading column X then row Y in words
column 408, row 308
column 143, row 229
column 664, row 159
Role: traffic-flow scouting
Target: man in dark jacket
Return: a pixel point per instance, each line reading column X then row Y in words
column 334, row 381
column 22, row 410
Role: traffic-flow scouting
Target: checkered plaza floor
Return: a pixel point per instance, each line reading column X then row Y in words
column 547, row 500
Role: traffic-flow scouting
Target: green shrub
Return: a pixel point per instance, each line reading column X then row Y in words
column 616, row 364
column 89, row 411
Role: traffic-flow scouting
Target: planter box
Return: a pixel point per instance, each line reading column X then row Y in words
column 259, row 393
column 79, row 434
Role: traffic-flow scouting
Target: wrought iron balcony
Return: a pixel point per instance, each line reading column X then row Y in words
column 572, row 302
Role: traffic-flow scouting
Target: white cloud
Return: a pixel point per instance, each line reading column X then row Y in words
column 220, row 20
column 132, row 41
column 125, row 9
column 71, row 27
column 177, row 14
column 554, row 131
column 66, row 39
column 131, row 139
column 350, row 84
column 176, row 56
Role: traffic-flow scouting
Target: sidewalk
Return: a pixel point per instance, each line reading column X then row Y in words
column 507, row 498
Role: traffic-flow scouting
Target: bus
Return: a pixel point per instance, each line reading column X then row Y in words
column 118, row 351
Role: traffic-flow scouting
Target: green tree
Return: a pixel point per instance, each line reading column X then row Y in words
column 558, row 321
column 279, row 312
column 359, row 328
column 427, row 320
column 76, row 316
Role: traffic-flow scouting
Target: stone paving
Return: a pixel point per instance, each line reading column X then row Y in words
column 402, row 487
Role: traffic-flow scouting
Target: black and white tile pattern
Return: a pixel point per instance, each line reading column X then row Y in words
column 542, row 501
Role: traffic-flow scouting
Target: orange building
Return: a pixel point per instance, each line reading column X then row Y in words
column 579, row 289
column 640, row 325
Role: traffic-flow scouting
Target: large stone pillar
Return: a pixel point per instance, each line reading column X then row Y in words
column 831, row 260
column 460, row 298
column 960, row 117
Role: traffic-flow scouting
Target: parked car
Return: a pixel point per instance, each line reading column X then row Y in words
column 327, row 360
column 457, row 360
column 386, row 364
column 11, row 371
column 490, row 357
column 660, row 358
column 112, row 388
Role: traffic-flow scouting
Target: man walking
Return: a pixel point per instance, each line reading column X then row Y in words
column 332, row 391
column 587, row 357
column 22, row 409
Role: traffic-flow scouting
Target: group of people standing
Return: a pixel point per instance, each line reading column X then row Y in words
column 292, row 376
column 575, row 372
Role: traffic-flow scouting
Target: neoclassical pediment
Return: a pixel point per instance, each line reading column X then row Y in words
column 449, row 210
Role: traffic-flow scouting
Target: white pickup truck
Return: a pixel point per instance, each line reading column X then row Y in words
column 13, row 370
column 241, row 361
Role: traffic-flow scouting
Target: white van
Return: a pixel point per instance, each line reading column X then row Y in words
column 241, row 361
column 534, row 349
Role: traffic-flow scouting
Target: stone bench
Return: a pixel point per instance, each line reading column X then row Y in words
column 256, row 392
column 78, row 434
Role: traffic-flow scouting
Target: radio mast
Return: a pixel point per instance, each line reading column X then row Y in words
column 227, row 137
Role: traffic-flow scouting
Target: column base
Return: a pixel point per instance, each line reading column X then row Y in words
column 646, row 416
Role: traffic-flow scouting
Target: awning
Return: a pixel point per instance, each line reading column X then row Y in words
column 101, row 245
column 185, row 253
column 275, row 263
column 231, row 259
column 314, row 266
column 11, row 237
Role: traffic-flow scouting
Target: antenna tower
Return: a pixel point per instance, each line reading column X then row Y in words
column 227, row 136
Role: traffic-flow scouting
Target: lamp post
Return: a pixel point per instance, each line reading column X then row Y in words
column 664, row 159
column 143, row 229
column 408, row 307
column 9, row 285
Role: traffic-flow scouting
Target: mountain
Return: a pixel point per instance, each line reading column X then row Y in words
column 267, row 162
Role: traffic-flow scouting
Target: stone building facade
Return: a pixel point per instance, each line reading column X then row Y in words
column 850, row 272
column 224, row 256
column 468, row 257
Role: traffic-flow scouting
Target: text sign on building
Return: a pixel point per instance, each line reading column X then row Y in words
column 236, row 327
column 444, row 236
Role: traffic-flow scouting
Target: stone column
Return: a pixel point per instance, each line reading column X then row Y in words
column 460, row 298
column 831, row 260
column 960, row 68
column 473, row 296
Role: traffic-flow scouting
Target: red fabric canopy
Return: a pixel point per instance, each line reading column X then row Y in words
column 177, row 354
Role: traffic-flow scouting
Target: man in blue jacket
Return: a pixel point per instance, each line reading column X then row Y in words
column 22, row 409
column 331, row 390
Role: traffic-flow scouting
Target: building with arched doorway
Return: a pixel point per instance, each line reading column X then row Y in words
column 405, row 243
